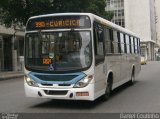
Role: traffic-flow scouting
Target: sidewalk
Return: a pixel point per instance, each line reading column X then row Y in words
column 10, row 75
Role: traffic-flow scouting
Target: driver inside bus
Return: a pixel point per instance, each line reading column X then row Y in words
column 73, row 55
column 71, row 44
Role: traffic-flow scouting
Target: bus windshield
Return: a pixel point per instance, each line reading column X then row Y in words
column 58, row 51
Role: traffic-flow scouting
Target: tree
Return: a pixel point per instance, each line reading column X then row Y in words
column 13, row 12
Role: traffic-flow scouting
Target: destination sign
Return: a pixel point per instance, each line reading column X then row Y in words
column 59, row 22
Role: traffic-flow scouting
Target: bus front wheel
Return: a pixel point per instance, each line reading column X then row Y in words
column 107, row 91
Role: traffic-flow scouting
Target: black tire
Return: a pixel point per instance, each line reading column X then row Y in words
column 107, row 91
column 131, row 82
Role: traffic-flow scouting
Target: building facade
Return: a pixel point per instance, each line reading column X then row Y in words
column 117, row 7
column 139, row 17
column 11, row 49
column 157, row 5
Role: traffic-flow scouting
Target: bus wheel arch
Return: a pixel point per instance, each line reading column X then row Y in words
column 108, row 86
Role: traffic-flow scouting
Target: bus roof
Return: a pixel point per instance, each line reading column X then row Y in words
column 92, row 16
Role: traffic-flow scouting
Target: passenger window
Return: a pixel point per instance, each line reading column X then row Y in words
column 111, row 39
column 115, row 42
column 136, row 45
column 107, row 41
column 122, row 43
column 132, row 45
column 127, row 44
column 119, row 42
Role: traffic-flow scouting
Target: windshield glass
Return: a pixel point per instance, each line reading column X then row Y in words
column 58, row 51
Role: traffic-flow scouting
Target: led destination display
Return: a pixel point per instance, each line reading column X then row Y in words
column 59, row 22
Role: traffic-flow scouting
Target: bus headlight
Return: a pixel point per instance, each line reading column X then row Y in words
column 83, row 82
column 30, row 82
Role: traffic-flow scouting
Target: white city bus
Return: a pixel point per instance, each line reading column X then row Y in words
column 78, row 56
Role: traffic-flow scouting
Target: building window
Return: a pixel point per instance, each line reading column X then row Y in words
column 117, row 7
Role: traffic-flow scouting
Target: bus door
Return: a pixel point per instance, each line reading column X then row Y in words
column 99, row 57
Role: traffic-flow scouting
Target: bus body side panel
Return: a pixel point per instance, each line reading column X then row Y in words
column 100, row 80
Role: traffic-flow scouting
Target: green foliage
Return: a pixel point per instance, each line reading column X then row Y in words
column 18, row 11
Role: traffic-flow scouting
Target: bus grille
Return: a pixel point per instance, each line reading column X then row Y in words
column 56, row 77
column 51, row 92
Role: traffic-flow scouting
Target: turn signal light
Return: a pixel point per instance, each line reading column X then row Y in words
column 82, row 94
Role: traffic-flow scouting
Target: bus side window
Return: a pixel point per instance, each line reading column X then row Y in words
column 107, row 41
column 99, row 44
column 115, row 42
column 125, row 46
column 122, row 43
column 111, row 39
column 119, row 42
column 132, row 45
column 139, row 49
column 136, row 45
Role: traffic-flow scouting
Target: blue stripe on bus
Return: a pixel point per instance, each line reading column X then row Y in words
column 78, row 77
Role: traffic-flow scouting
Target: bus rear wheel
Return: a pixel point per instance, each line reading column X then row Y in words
column 131, row 82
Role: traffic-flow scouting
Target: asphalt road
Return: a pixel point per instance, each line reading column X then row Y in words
column 143, row 96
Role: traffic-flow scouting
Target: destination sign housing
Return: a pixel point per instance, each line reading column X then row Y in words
column 55, row 22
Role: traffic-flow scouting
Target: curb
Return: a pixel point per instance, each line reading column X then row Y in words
column 5, row 76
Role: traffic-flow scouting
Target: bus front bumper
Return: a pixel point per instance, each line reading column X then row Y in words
column 86, row 93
